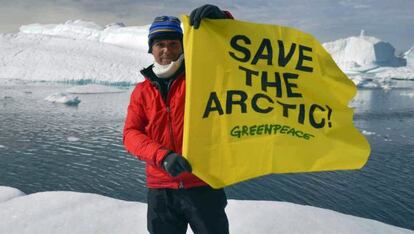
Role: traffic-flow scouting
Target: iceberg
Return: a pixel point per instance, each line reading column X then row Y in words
column 93, row 89
column 409, row 56
column 76, row 29
column 38, row 57
column 363, row 53
column 63, row 98
column 128, row 37
column 76, row 51
column 370, row 62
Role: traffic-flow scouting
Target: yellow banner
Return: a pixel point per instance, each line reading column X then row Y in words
column 264, row 99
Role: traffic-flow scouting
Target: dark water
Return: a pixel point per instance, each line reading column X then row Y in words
column 46, row 146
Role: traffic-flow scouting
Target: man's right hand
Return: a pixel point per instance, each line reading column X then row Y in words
column 175, row 164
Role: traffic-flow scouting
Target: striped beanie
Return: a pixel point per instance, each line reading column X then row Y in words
column 164, row 27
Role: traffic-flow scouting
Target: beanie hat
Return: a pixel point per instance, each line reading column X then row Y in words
column 164, row 27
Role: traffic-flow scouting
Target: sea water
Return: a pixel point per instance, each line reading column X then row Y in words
column 48, row 146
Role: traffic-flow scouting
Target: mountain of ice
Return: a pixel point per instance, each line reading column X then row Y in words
column 362, row 53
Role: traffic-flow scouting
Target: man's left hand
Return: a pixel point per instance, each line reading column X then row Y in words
column 206, row 11
column 175, row 164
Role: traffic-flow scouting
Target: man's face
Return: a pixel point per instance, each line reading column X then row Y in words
column 166, row 51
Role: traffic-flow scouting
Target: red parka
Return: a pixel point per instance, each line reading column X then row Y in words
column 154, row 127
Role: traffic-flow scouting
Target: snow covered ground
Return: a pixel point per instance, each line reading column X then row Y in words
column 73, row 213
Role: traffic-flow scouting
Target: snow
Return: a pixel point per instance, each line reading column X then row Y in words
column 63, row 98
column 77, row 29
column 71, row 212
column 7, row 193
column 116, row 33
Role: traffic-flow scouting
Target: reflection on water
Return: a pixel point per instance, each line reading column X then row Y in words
column 46, row 146
column 49, row 146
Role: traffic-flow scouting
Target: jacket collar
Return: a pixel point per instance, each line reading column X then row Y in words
column 149, row 74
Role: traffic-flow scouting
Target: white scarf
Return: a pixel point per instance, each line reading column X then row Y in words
column 166, row 71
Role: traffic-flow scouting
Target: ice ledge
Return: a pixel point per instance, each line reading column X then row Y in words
column 72, row 212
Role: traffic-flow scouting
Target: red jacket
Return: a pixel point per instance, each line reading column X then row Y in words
column 154, row 127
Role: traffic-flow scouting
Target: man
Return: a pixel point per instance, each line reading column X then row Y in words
column 153, row 132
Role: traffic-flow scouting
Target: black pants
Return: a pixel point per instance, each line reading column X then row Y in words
column 171, row 210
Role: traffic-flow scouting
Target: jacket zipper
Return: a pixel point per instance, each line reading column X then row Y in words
column 170, row 125
column 167, row 104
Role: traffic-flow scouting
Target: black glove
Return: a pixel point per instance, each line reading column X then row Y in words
column 206, row 11
column 175, row 164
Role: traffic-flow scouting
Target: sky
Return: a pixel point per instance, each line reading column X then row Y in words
column 327, row 20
